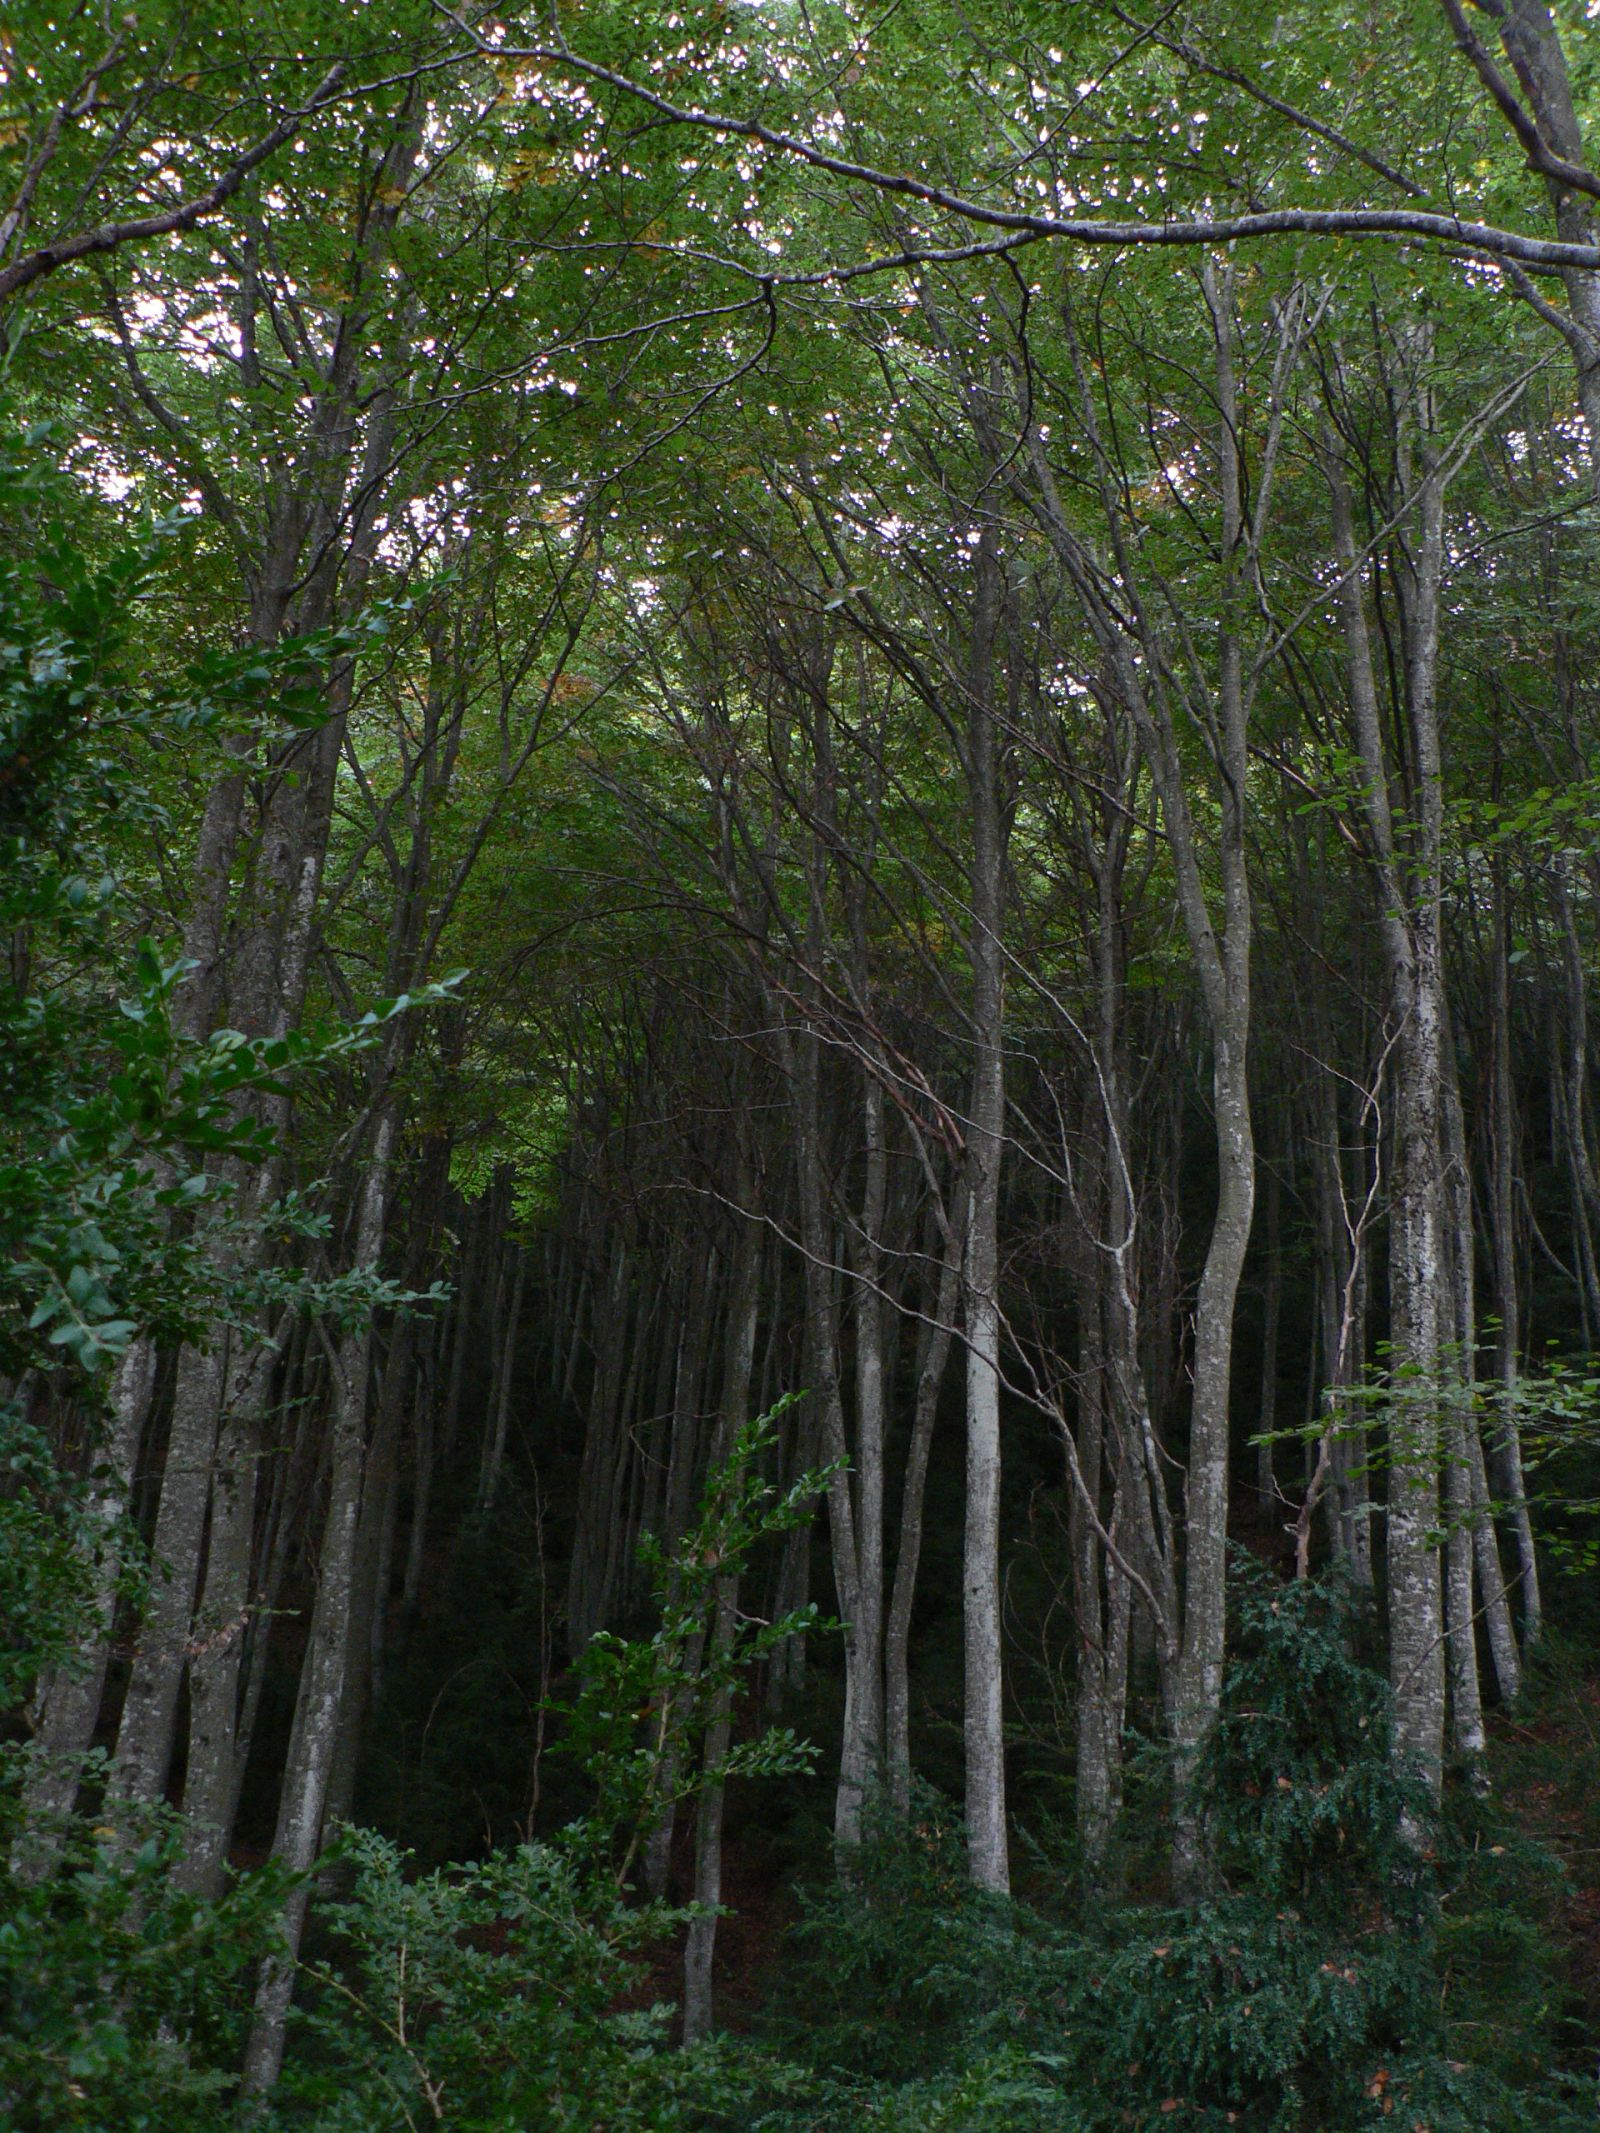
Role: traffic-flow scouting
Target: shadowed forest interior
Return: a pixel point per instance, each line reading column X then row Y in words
column 799, row 1153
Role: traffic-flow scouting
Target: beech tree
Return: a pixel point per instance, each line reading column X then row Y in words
column 875, row 720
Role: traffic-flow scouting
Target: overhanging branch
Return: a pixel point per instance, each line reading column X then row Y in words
column 109, row 235
column 1448, row 232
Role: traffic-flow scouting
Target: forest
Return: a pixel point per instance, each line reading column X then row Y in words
column 799, row 1131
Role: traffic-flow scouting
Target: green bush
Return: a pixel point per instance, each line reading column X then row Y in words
column 480, row 1997
column 1308, row 1995
column 123, row 2001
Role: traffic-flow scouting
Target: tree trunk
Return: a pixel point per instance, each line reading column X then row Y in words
column 68, row 1703
column 744, row 1306
column 1266, row 1483
column 314, row 1740
column 987, row 1854
column 935, row 1354
column 497, row 1421
column 222, row 1633
column 682, row 1471
column 1508, row 1347
column 148, row 1726
column 1409, row 892
column 1473, row 1545
column 861, row 1753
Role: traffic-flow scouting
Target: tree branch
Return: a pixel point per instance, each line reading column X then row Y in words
column 1449, row 231
column 1541, row 157
column 110, row 235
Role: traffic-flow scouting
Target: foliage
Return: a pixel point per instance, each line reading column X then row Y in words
column 122, row 1998
column 113, row 1118
column 508, row 1993
column 50, row 1556
column 1304, row 1996
column 592, row 393
column 482, row 1997
column 643, row 1703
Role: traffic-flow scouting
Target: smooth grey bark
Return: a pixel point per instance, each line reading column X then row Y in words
column 70, row 1703
column 1408, row 888
column 1459, row 1424
column 1097, row 1726
column 200, row 1625
column 1349, row 1352
column 861, row 1751
column 786, row 1674
column 700, row 1946
column 220, row 1639
column 1508, row 1348
column 207, row 1832
column 1118, row 1511
column 146, row 1732
column 744, row 1310
column 1223, row 960
column 67, row 1704
column 822, row 1378
column 369, row 1581
column 314, row 1739
column 684, row 1465
column 1346, row 1205
column 1473, row 1549
column 988, row 1858
column 1272, row 1305
column 934, row 1356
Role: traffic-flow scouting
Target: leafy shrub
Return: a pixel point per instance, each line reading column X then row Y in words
column 513, row 1993
column 123, row 2000
column 1305, row 1997
column 484, row 1996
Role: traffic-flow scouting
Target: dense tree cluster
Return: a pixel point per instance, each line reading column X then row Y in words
column 801, row 863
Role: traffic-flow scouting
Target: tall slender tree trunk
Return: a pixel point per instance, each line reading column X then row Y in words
column 1272, row 1307
column 1473, row 1550
column 861, row 1754
column 1224, row 963
column 1409, row 889
column 1097, row 1753
column 314, row 1740
column 744, row 1308
column 984, row 1722
column 684, row 1466
column 222, row 1636
column 1508, row 1346
column 68, row 1703
column 934, row 1352
column 497, row 1421
column 146, row 1733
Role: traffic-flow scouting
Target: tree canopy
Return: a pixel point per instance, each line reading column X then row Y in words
column 799, row 1175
